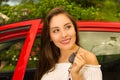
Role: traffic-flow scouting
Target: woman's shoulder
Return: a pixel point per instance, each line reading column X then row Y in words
column 89, row 57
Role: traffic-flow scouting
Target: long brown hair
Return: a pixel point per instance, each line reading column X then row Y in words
column 49, row 53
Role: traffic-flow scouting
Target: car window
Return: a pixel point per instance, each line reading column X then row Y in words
column 32, row 63
column 105, row 45
column 9, row 53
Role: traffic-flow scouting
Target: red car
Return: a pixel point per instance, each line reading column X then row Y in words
column 101, row 38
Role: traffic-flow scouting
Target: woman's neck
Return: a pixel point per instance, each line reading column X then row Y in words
column 65, row 54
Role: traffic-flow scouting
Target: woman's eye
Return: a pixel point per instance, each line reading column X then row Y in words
column 56, row 30
column 68, row 27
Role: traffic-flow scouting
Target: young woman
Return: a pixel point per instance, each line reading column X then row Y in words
column 59, row 39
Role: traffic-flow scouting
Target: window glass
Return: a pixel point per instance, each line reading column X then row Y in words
column 105, row 45
column 34, row 54
column 9, row 53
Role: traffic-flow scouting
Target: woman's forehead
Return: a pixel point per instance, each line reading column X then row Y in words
column 60, row 19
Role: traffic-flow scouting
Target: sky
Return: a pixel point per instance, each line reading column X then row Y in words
column 13, row 2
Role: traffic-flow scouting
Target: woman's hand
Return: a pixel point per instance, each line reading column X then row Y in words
column 82, row 57
column 78, row 63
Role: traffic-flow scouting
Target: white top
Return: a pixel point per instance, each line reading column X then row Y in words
column 88, row 72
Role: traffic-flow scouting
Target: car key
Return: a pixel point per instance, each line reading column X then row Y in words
column 71, row 58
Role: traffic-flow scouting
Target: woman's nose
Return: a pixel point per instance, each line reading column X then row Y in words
column 64, row 34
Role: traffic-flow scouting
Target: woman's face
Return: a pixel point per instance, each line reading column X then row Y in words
column 62, row 32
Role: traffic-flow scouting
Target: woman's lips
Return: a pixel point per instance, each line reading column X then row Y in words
column 65, row 41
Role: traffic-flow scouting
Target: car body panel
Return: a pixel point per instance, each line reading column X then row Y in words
column 30, row 29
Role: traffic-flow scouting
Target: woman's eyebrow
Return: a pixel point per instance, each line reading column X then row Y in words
column 67, row 23
column 54, row 27
column 58, row 27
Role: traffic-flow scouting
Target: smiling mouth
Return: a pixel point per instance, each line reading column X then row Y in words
column 66, row 41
